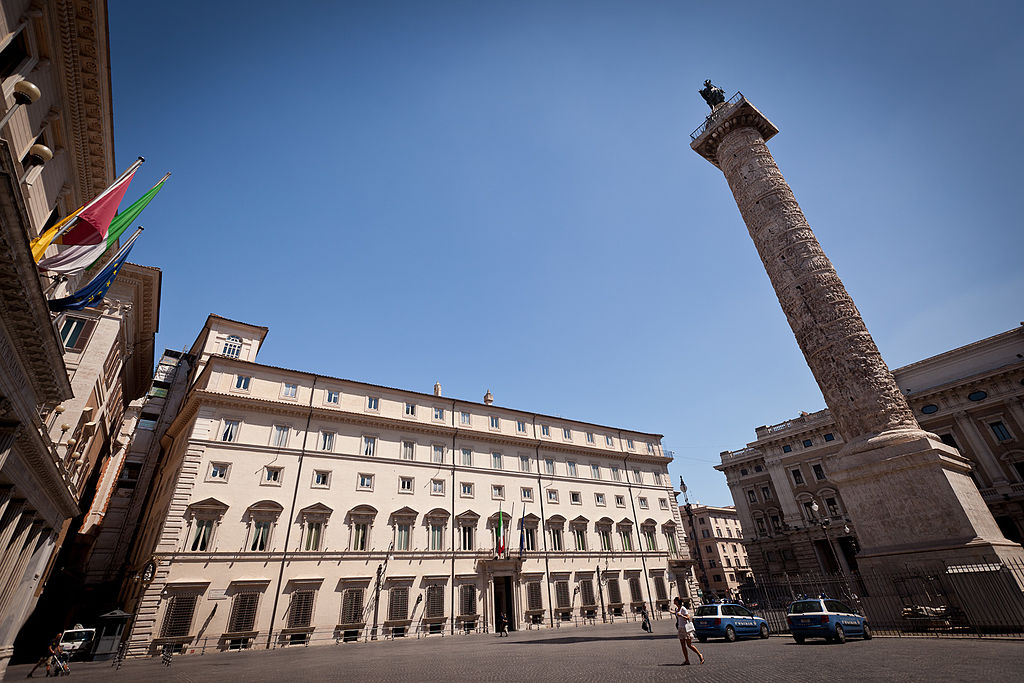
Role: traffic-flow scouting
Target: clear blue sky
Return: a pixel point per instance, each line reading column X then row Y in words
column 502, row 195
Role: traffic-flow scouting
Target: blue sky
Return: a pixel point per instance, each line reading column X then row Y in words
column 501, row 194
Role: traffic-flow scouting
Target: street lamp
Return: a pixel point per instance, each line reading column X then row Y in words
column 25, row 92
column 825, row 522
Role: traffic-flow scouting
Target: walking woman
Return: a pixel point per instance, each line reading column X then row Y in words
column 685, row 629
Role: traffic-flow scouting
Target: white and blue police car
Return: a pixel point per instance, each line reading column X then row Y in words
column 825, row 618
column 729, row 621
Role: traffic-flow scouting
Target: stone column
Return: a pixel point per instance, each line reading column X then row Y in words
column 908, row 494
column 981, row 451
column 791, row 513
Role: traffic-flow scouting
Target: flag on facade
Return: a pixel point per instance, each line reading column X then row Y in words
column 94, row 292
column 90, row 223
column 78, row 257
column 501, row 533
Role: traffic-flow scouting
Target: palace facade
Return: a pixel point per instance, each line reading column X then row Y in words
column 295, row 508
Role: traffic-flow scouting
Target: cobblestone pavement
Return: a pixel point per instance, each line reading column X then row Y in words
column 619, row 652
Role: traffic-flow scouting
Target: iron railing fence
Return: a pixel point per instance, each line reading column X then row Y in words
column 976, row 600
column 713, row 116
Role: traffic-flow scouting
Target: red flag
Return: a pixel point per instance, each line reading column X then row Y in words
column 91, row 224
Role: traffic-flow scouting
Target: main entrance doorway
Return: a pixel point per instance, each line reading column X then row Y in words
column 503, row 602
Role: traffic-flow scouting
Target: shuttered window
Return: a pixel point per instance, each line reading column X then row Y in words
column 533, row 595
column 435, row 602
column 300, row 611
column 634, row 589
column 587, row 593
column 562, row 593
column 352, row 606
column 614, row 594
column 178, row 616
column 659, row 588
column 398, row 603
column 243, row 612
column 468, row 598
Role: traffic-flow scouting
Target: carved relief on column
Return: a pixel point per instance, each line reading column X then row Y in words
column 856, row 383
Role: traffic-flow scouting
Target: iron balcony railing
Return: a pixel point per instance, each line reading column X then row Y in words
column 715, row 115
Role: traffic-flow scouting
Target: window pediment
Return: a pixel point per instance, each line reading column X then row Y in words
column 208, row 508
column 265, row 510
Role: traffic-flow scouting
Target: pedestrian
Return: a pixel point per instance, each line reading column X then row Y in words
column 48, row 660
column 685, row 629
column 646, row 623
column 502, row 625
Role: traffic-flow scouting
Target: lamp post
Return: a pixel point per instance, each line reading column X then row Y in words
column 825, row 522
column 600, row 591
column 693, row 534
column 376, row 601
column 25, row 92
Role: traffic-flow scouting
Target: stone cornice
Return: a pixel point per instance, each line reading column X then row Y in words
column 731, row 117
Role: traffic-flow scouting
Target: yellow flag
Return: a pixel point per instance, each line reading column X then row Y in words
column 42, row 243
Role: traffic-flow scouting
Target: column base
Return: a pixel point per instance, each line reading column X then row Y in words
column 914, row 505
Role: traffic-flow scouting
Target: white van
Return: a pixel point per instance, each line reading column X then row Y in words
column 77, row 641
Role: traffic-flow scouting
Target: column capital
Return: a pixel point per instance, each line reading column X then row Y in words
column 737, row 113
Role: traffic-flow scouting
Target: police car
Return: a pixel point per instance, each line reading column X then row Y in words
column 825, row 618
column 727, row 620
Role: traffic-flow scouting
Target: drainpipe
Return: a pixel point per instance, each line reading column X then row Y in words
column 543, row 520
column 455, row 433
column 639, row 539
column 291, row 514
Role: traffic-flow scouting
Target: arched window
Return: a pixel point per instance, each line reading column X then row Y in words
column 232, row 346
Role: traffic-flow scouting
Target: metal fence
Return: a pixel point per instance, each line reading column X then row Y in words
column 976, row 600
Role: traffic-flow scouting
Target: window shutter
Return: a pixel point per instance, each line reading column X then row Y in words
column 533, row 596
column 562, row 593
column 634, row 589
column 614, row 595
column 468, row 600
column 243, row 612
column 435, row 602
column 659, row 588
column 587, row 592
column 398, row 605
column 178, row 617
column 352, row 606
column 300, row 612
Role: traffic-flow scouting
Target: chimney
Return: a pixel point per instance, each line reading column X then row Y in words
column 488, row 397
column 437, row 388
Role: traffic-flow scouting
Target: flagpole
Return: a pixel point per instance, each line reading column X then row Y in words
column 70, row 224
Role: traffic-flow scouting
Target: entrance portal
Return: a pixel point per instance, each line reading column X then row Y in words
column 503, row 601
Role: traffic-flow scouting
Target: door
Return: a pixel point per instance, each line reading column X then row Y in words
column 503, row 601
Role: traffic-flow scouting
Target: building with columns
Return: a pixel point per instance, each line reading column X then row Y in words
column 310, row 509
column 972, row 397
column 716, row 545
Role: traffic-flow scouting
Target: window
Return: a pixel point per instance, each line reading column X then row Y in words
column 549, row 466
column 437, row 454
column 663, row 503
column 402, row 536
column 595, row 471
column 333, row 397
column 272, row 475
column 466, row 536
column 398, row 603
column 437, row 487
column 352, row 606
column 300, row 609
column 634, row 589
column 467, row 600
column 498, row 492
column 279, row 438
column 467, row 457
column 219, row 471
column 467, row 489
column 527, row 493
column 751, row 496
column 202, row 535
column 616, row 476
column 242, row 382
column 533, row 596
column 830, row 437
column 178, row 616
column 327, row 441
column 495, row 422
column 1000, row 430
column 545, row 430
column 524, row 463
column 579, row 535
column 552, row 495
column 496, row 460
column 313, row 532
column 290, row 390
column 787, row 449
column 833, row 507
column 819, row 473
column 567, row 434
column 761, row 529
column 713, row 564
column 232, row 346
column 75, row 333
column 520, row 426
column 575, row 498
column 410, row 409
column 570, row 468
column 438, row 413
column 599, row 499
column 629, row 444
column 437, row 537
column 808, row 443
column 642, row 502
column 587, row 593
column 758, row 468
column 260, row 536
column 606, row 539
column 405, row 484
column 766, row 493
column 366, row 482
column 556, row 540
column 638, row 477
column 321, row 478
column 464, row 417
column 620, row 501
column 369, row 445
column 650, row 447
column 230, row 432
column 609, row 441
column 360, row 534
column 408, row 450
column 590, row 437
column 372, row 403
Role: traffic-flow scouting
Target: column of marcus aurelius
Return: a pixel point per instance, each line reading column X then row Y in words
column 908, row 494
